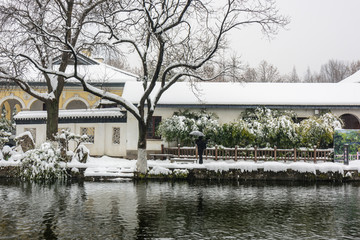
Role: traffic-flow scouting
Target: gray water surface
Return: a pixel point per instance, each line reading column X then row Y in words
column 181, row 210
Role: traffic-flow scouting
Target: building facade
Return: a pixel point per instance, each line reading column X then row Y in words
column 14, row 100
column 118, row 136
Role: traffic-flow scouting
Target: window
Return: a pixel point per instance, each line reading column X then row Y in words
column 153, row 126
column 116, row 135
column 32, row 131
column 90, row 132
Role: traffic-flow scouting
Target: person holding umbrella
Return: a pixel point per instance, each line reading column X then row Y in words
column 200, row 143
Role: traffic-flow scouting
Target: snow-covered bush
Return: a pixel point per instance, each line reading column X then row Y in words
column 282, row 132
column 42, row 164
column 6, row 152
column 4, row 137
column 260, row 127
column 178, row 127
column 235, row 133
column 273, row 128
column 319, row 131
column 81, row 154
column 64, row 138
column 5, row 130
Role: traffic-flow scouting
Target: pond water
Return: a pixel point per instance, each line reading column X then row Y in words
column 180, row 210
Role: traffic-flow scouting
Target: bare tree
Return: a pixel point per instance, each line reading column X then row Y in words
column 174, row 40
column 293, row 78
column 334, row 71
column 250, row 74
column 33, row 34
column 354, row 67
column 225, row 70
column 308, row 76
column 267, row 72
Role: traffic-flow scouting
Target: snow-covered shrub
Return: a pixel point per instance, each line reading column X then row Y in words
column 64, row 138
column 260, row 127
column 158, row 170
column 282, row 132
column 4, row 137
column 272, row 127
column 207, row 124
column 81, row 154
column 235, row 133
column 5, row 130
column 178, row 127
column 319, row 131
column 6, row 152
column 42, row 164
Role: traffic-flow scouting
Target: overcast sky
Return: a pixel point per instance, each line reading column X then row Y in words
column 319, row 30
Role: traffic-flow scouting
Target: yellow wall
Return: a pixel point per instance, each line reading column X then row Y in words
column 25, row 101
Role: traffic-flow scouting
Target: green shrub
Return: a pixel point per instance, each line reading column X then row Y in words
column 235, row 133
column 319, row 131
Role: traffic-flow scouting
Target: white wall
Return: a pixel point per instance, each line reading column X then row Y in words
column 112, row 149
column 102, row 145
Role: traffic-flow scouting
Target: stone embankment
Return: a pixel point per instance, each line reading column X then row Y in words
column 206, row 174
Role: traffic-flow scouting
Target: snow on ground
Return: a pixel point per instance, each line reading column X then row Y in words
column 118, row 167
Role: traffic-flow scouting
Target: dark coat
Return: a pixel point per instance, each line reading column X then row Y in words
column 201, row 143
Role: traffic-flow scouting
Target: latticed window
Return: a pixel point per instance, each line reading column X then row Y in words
column 116, row 135
column 90, row 132
column 32, row 131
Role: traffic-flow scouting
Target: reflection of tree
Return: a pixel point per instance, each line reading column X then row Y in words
column 200, row 207
column 49, row 225
column 146, row 220
column 245, row 211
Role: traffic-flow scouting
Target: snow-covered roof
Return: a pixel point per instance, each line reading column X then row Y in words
column 102, row 72
column 355, row 78
column 245, row 94
column 92, row 70
column 72, row 114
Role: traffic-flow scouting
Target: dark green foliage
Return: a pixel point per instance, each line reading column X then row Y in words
column 235, row 134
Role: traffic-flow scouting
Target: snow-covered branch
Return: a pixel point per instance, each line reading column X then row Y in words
column 110, row 96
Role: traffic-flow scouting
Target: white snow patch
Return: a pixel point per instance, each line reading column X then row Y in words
column 157, row 170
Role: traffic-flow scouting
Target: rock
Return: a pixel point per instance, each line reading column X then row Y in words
column 26, row 141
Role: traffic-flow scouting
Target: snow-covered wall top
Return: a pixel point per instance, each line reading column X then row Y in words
column 288, row 94
column 72, row 114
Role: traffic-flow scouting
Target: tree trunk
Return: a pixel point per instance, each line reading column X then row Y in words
column 141, row 164
column 52, row 109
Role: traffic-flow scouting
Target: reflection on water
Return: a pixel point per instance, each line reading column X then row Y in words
column 155, row 210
